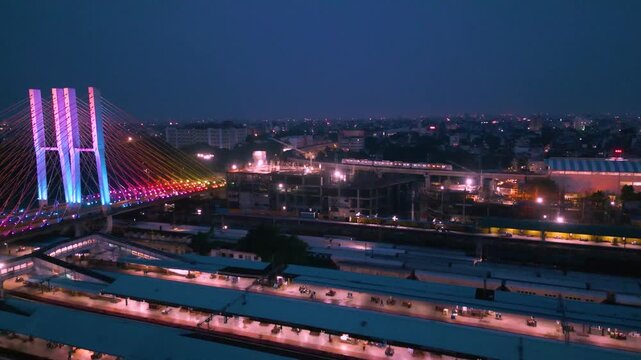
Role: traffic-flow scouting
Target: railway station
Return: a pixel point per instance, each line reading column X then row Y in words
column 329, row 311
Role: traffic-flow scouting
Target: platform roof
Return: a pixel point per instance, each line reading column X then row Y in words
column 208, row 264
column 396, row 329
column 616, row 316
column 227, row 264
column 171, row 264
column 62, row 281
column 356, row 281
column 128, row 339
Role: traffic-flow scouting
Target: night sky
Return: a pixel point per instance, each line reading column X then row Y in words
column 329, row 58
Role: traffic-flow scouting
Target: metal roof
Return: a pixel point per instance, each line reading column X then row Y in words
column 401, row 330
column 126, row 338
column 595, row 165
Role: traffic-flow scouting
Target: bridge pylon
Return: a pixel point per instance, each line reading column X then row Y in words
column 65, row 114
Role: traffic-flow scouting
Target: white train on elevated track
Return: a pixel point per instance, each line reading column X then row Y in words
column 397, row 164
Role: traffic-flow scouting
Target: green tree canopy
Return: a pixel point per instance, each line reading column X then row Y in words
column 268, row 243
column 200, row 243
column 628, row 194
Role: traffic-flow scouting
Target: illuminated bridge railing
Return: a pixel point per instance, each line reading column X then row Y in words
column 88, row 242
column 15, row 268
column 71, row 248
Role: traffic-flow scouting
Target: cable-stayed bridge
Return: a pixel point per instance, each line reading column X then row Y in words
column 64, row 156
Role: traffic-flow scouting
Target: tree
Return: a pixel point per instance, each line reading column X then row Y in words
column 267, row 242
column 628, row 194
column 200, row 243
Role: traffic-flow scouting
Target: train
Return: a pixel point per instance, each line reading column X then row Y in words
column 397, row 164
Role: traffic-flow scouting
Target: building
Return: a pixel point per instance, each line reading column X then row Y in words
column 352, row 140
column 275, row 187
column 292, row 189
column 587, row 175
column 223, row 137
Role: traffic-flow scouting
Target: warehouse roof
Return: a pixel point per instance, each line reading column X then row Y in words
column 595, row 165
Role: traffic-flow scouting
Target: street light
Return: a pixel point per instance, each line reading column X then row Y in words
column 560, row 219
column 442, row 195
column 539, row 200
column 468, row 183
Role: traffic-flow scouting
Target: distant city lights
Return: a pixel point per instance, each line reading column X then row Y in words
column 339, row 176
column 207, row 156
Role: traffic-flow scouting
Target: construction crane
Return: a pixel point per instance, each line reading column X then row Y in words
column 306, row 154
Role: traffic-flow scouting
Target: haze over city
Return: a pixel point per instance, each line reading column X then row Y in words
column 255, row 60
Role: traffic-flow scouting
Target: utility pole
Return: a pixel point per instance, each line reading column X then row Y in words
column 464, row 202
column 413, row 193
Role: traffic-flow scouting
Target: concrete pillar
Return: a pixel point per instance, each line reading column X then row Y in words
column 413, row 194
column 78, row 230
column 109, row 224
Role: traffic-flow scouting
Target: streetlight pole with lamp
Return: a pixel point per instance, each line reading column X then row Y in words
column 468, row 183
